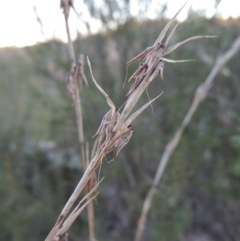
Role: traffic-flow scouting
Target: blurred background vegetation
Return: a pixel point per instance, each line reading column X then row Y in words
column 199, row 197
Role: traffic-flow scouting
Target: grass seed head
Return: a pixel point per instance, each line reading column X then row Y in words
column 153, row 57
column 122, row 138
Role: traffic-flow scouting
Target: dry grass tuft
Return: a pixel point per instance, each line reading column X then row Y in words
column 116, row 127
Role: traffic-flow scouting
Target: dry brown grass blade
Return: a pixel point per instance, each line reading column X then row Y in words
column 82, row 183
column 168, row 25
column 171, row 35
column 103, row 122
column 131, row 118
column 90, row 207
column 135, row 95
column 175, row 46
column 161, row 68
column 77, row 210
column 138, row 71
column 178, row 61
column 200, row 95
column 67, row 224
column 141, row 55
column 123, row 141
column 109, row 101
column 131, row 102
column 94, row 149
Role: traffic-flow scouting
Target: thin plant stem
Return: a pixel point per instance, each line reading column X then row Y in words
column 79, row 118
column 200, row 95
column 78, row 110
column 70, row 44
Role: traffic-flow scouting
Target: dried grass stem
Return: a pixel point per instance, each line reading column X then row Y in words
column 199, row 96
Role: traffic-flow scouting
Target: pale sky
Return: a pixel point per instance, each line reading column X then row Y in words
column 19, row 27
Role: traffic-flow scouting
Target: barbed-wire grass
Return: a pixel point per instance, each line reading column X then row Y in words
column 116, row 128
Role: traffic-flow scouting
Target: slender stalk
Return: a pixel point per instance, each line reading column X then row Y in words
column 200, row 95
column 79, row 117
column 90, row 206
column 82, row 183
column 70, row 44
column 78, row 110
